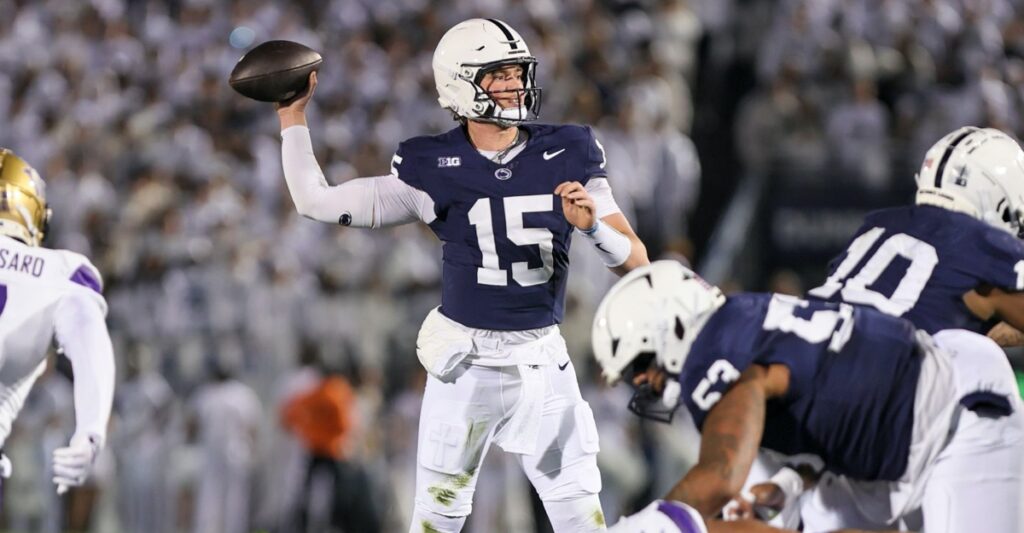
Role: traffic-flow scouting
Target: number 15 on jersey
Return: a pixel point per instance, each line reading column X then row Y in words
column 515, row 206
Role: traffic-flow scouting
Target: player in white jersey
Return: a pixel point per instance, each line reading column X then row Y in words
column 46, row 296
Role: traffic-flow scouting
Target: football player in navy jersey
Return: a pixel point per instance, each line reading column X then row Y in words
column 505, row 197
column 955, row 260
column 909, row 422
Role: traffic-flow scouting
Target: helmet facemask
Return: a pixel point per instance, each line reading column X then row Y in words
column 487, row 103
column 1013, row 217
column 647, row 402
column 650, row 319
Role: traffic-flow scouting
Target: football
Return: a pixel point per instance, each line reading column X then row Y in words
column 274, row 71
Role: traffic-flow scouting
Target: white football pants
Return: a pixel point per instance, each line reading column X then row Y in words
column 464, row 414
column 976, row 481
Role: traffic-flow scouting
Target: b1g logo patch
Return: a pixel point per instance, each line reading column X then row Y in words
column 449, row 162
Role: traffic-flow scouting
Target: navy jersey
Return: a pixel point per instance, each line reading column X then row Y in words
column 853, row 375
column 918, row 261
column 506, row 241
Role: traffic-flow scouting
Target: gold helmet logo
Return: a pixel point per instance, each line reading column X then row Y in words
column 23, row 211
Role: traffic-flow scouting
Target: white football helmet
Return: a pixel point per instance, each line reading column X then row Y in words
column 470, row 50
column 977, row 171
column 653, row 312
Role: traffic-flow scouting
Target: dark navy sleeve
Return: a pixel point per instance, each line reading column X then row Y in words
column 712, row 367
column 1000, row 259
column 403, row 166
column 595, row 161
column 705, row 384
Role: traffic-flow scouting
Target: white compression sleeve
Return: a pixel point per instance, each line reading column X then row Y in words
column 362, row 202
column 612, row 246
column 604, row 202
column 81, row 331
column 314, row 198
column 396, row 202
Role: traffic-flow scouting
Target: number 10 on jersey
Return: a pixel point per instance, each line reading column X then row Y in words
column 515, row 206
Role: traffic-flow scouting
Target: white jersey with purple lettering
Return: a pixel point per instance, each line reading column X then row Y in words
column 42, row 296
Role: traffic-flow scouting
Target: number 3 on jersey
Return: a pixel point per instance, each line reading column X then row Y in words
column 515, row 207
column 721, row 370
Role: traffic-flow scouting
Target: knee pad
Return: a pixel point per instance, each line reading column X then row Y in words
column 427, row 521
column 567, row 470
column 581, row 514
column 978, row 362
column 575, row 481
column 449, row 458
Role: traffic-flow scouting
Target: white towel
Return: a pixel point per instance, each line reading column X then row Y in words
column 522, row 431
column 441, row 347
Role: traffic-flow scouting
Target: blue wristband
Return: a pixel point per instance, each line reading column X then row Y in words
column 591, row 230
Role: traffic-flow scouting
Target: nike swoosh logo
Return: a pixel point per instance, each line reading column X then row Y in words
column 551, row 155
column 599, row 247
column 562, row 367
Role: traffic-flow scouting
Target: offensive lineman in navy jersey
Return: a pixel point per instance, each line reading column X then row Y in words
column 956, row 259
column 893, row 410
column 953, row 261
column 504, row 197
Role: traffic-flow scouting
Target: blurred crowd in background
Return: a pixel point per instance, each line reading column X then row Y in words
column 235, row 320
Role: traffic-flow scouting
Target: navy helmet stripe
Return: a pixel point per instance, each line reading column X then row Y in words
column 508, row 34
column 947, row 154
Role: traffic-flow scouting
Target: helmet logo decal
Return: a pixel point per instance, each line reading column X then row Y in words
column 961, row 178
column 949, row 152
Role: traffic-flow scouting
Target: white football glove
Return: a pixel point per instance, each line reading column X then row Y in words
column 72, row 464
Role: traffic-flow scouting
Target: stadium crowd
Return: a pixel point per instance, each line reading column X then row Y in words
column 226, row 307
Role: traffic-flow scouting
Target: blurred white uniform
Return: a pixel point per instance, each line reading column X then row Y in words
column 143, row 440
column 229, row 415
column 47, row 294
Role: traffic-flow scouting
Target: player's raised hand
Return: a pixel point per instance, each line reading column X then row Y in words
column 297, row 104
column 577, row 205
